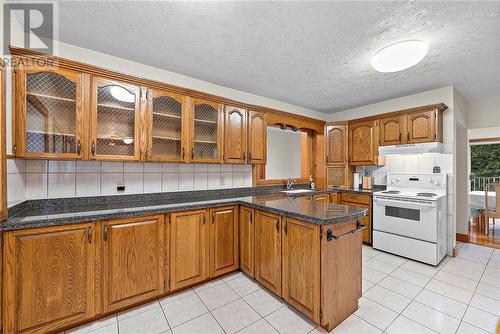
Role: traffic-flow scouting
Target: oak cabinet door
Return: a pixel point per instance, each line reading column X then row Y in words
column 257, row 138
column 206, row 131
column 189, row 248
column 363, row 148
column 321, row 198
column 49, row 113
column 421, row 127
column 392, row 130
column 336, row 144
column 167, row 126
column 48, row 279
column 223, row 240
column 133, row 261
column 301, row 267
column 247, row 241
column 115, row 124
column 235, row 135
column 268, row 251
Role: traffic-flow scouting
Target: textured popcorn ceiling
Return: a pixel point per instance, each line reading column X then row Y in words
column 312, row 54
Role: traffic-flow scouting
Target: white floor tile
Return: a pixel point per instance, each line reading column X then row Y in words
column 264, row 302
column 420, row 268
column 402, row 287
column 353, row 324
column 235, row 316
column 152, row 321
column 138, row 310
column 441, row 303
column 218, row 296
column 372, row 275
column 374, row 313
column 481, row 319
column 286, row 320
column 365, row 285
column 431, row 318
column 403, row 325
column 488, row 290
column 208, row 285
column 454, row 292
column 109, row 329
column 411, row 277
column 176, row 296
column 391, row 259
column 87, row 328
column 493, row 271
column 490, row 280
column 461, row 282
column 184, row 309
column 486, row 304
column 464, row 268
column 243, row 285
column 377, row 265
column 259, row 327
column 465, row 328
column 204, row 324
column 387, row 298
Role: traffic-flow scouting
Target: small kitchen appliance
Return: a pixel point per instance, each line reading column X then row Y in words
column 409, row 217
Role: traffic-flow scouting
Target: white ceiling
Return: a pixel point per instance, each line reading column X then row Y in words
column 312, row 54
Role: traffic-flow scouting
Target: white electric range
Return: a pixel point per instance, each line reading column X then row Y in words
column 409, row 217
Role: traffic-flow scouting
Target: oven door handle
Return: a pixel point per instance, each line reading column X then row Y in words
column 404, row 203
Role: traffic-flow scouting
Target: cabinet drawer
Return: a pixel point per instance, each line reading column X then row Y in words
column 355, row 198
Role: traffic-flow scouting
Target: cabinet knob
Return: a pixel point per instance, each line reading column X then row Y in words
column 277, row 226
column 105, row 234
column 78, row 147
column 92, row 148
column 250, row 156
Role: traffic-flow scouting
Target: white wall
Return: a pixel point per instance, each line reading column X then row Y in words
column 36, row 179
column 283, row 154
column 484, row 113
column 481, row 133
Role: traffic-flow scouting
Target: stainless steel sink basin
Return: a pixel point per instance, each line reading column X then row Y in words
column 296, row 191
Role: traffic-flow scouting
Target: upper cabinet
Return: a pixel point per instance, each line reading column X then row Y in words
column 336, row 144
column 257, row 137
column 206, row 131
column 166, row 124
column 235, row 135
column 49, row 113
column 115, row 124
column 391, row 130
column 363, row 143
column 422, row 127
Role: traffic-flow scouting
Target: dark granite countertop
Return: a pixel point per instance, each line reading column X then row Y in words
column 53, row 212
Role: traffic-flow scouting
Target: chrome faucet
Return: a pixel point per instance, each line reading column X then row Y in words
column 290, row 183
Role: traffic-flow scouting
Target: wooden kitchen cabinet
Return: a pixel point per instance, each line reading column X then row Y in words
column 336, row 144
column 115, row 120
column 339, row 176
column 167, row 126
column 49, row 113
column 321, row 198
column 335, row 198
column 223, row 241
column 206, row 131
column 392, row 130
column 301, row 267
column 48, row 278
column 235, row 135
column 133, row 265
column 422, row 127
column 189, row 248
column 257, row 137
column 364, row 201
column 268, row 250
column 363, row 143
column 247, row 240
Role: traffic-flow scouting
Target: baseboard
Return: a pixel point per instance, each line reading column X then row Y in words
column 462, row 237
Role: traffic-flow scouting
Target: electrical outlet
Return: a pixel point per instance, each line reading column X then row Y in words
column 120, row 186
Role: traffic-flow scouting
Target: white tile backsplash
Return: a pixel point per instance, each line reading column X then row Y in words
column 36, row 179
column 410, row 163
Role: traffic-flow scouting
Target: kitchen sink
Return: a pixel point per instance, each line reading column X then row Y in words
column 296, row 191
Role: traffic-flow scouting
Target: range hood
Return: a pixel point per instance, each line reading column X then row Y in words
column 433, row 147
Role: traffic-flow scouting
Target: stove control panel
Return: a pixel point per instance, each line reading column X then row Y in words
column 416, row 181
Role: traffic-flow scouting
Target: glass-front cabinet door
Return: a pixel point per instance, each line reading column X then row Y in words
column 165, row 122
column 50, row 113
column 206, row 131
column 115, row 120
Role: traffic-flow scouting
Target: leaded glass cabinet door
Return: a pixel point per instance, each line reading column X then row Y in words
column 115, row 120
column 166, row 122
column 50, row 117
column 206, row 132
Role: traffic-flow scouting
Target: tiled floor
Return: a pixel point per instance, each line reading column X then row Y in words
column 461, row 295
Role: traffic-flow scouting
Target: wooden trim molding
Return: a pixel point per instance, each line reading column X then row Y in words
column 3, row 152
column 439, row 107
column 462, row 237
column 293, row 119
column 482, row 140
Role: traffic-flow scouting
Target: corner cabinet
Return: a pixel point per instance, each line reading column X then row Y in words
column 115, row 122
column 48, row 278
column 50, row 114
column 206, row 131
column 257, row 137
column 235, row 135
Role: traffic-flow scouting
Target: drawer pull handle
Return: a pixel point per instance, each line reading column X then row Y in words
column 330, row 236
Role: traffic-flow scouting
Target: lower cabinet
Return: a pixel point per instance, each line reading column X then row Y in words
column 133, row 267
column 223, row 240
column 247, row 241
column 363, row 201
column 321, row 198
column 301, row 267
column 48, row 278
column 189, row 248
column 268, row 250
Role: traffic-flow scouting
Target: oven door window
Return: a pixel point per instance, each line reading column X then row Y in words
column 404, row 213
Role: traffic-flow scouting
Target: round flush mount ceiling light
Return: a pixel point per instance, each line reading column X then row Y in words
column 399, row 56
column 121, row 94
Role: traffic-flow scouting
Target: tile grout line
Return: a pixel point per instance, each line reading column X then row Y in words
column 210, row 311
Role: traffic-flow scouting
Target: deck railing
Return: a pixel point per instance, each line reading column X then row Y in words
column 479, row 182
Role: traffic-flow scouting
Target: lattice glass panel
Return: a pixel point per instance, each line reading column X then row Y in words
column 115, row 121
column 205, row 132
column 167, row 123
column 50, row 113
